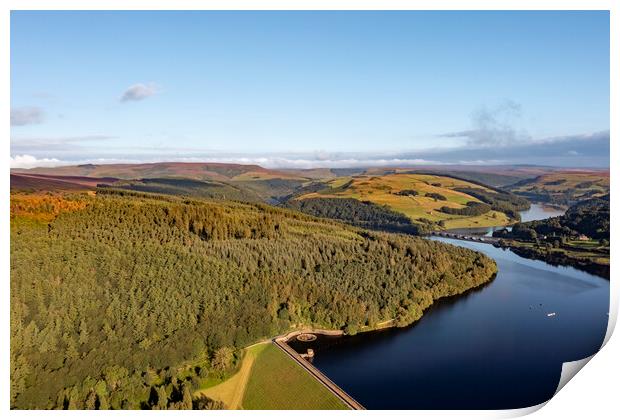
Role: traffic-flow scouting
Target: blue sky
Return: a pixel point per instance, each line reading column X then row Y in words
column 310, row 88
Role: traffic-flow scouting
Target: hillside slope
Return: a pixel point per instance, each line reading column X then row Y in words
column 564, row 187
column 131, row 301
column 190, row 170
column 188, row 188
column 37, row 182
column 493, row 175
column 431, row 200
column 256, row 181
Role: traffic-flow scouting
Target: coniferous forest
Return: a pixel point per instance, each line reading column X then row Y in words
column 132, row 300
column 363, row 214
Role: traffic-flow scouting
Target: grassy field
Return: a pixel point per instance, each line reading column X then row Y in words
column 383, row 190
column 231, row 391
column 268, row 379
column 278, row 383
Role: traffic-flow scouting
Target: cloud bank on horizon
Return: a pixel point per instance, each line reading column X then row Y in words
column 585, row 150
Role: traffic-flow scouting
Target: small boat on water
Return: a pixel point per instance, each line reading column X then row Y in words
column 551, row 314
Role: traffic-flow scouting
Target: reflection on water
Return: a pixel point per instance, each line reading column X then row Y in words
column 478, row 231
column 493, row 348
column 539, row 212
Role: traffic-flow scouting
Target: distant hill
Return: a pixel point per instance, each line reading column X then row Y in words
column 37, row 182
column 492, row 179
column 325, row 173
column 253, row 182
column 494, row 176
column 190, row 170
column 430, row 200
column 564, row 187
column 187, row 187
column 171, row 186
column 257, row 182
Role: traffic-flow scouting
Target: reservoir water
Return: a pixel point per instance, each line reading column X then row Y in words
column 539, row 212
column 492, row 348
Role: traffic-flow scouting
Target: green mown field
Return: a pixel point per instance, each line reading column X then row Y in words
column 277, row 382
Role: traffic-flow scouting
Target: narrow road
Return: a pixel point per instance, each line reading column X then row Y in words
column 242, row 384
column 335, row 389
column 231, row 391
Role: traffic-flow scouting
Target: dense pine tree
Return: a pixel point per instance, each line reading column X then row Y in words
column 130, row 301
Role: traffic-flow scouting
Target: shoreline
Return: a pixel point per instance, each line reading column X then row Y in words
column 281, row 340
column 383, row 325
column 559, row 260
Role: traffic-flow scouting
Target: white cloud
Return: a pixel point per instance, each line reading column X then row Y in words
column 29, row 161
column 26, row 115
column 494, row 127
column 138, row 92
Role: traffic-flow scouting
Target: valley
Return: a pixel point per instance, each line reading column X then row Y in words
column 166, row 286
column 424, row 202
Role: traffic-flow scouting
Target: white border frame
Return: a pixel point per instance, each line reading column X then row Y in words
column 593, row 394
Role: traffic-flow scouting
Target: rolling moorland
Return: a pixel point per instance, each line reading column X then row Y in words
column 563, row 188
column 246, row 182
column 407, row 200
column 494, row 176
column 124, row 299
column 430, row 202
column 394, row 202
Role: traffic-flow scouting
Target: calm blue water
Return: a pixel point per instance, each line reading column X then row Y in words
column 493, row 348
